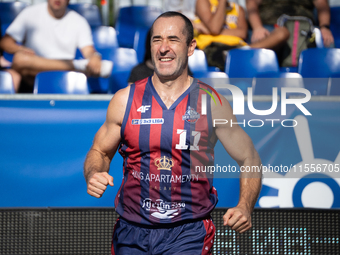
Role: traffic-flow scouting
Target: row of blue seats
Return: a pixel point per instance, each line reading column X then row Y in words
column 318, row 71
column 317, row 68
column 132, row 23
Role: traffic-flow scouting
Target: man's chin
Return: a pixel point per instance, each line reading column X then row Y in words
column 165, row 74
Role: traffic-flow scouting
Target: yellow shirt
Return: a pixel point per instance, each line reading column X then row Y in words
column 232, row 14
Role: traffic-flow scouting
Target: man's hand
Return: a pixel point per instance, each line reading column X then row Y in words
column 97, row 184
column 94, row 65
column 259, row 34
column 327, row 36
column 238, row 218
column 26, row 50
column 201, row 29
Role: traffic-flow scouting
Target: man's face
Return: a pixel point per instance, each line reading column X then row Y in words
column 58, row 5
column 169, row 49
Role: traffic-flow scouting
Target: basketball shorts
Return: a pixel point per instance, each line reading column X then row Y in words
column 192, row 238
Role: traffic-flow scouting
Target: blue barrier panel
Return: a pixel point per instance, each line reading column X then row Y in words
column 44, row 144
column 43, row 148
column 294, row 181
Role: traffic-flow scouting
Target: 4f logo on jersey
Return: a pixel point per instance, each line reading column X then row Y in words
column 143, row 108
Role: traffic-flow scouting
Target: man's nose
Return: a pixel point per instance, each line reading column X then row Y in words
column 164, row 46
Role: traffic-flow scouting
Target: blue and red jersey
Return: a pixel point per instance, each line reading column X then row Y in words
column 163, row 151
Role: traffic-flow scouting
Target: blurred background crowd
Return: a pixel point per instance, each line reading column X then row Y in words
column 83, row 47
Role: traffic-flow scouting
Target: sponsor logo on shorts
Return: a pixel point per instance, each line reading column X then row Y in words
column 161, row 209
column 147, row 121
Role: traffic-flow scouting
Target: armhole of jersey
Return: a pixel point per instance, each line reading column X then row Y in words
column 209, row 119
column 127, row 110
column 209, row 115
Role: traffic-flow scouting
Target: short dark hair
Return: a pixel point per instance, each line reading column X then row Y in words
column 188, row 28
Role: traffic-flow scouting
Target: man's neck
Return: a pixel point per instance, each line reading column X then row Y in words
column 56, row 14
column 170, row 90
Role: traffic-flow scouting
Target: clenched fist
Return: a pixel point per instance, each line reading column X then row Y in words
column 238, row 218
column 97, row 184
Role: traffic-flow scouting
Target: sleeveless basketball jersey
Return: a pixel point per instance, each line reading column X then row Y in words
column 165, row 151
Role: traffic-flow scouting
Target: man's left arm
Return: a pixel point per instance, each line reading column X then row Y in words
column 324, row 18
column 240, row 147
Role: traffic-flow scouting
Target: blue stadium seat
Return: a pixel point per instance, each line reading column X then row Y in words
column 124, row 60
column 317, row 63
column 105, row 40
column 89, row 11
column 318, row 38
column 6, row 83
column 139, row 43
column 8, row 12
column 264, row 85
column 334, row 86
column 133, row 18
column 198, row 63
column 316, row 66
column 242, row 65
column 247, row 63
column 104, row 37
column 335, row 25
column 60, row 82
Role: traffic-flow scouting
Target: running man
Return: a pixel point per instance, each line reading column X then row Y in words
column 163, row 132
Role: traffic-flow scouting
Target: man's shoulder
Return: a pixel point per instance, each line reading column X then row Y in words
column 142, row 82
column 122, row 94
column 202, row 84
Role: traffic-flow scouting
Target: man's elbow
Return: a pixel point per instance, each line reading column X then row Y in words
column 215, row 31
column 2, row 47
column 6, row 41
column 243, row 35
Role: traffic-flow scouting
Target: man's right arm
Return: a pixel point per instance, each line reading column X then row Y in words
column 105, row 144
column 259, row 32
column 9, row 45
column 212, row 21
column 16, row 32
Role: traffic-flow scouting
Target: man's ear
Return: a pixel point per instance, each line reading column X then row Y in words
column 192, row 47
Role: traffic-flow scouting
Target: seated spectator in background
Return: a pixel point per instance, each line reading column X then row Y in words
column 263, row 15
column 186, row 7
column 222, row 26
column 50, row 33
